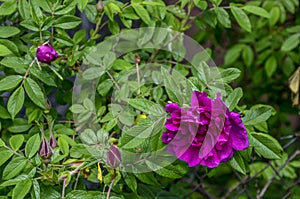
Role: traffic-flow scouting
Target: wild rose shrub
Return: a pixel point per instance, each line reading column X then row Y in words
column 82, row 112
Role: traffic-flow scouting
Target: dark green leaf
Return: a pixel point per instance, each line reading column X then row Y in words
column 223, row 17
column 234, row 98
column 34, row 92
column 15, row 102
column 291, row 42
column 237, row 163
column 270, row 66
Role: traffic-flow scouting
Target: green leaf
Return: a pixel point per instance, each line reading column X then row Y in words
column 237, row 163
column 233, row 54
column 2, row 143
column 34, row 92
column 4, row 114
column 14, row 168
column 147, row 106
column 266, row 145
column 32, row 146
column 10, row 45
column 4, row 51
column 82, row 4
column 8, row 31
column 142, row 12
column 15, row 102
column 275, row 15
column 270, row 66
column 241, row 18
column 21, row 189
column 234, row 98
column 14, row 181
column 30, row 25
column 130, row 181
column 257, row 11
column 10, row 82
column 105, row 87
column 229, row 74
column 223, row 17
column 16, row 141
column 67, row 22
column 147, row 178
column 8, row 7
column 77, row 108
column 5, row 154
column 110, row 10
column 36, row 189
column 88, row 137
column 15, row 63
column 289, row 6
column 248, row 55
column 19, row 125
column 24, row 9
column 291, row 42
column 63, row 145
column 93, row 73
column 120, row 64
column 257, row 116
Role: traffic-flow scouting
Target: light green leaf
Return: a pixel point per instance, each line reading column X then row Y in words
column 22, row 188
column 16, row 141
column 265, row 145
column 15, row 102
column 14, row 167
column 77, row 108
column 257, row 11
column 30, row 25
column 291, row 42
column 82, row 4
column 34, row 92
column 223, row 17
column 8, row 7
column 10, row 82
column 63, row 145
column 270, row 66
column 237, row 163
column 88, row 137
column 2, row 143
column 142, row 12
column 32, row 145
column 24, row 9
column 241, row 18
column 36, row 189
column 5, row 154
column 147, row 106
column 229, row 74
column 257, row 116
column 15, row 63
column 130, row 181
column 234, row 98
column 8, row 31
column 67, row 22
column 233, row 54
column 93, row 73
column 4, row 51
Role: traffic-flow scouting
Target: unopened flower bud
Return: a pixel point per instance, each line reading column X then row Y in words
column 100, row 6
column 113, row 157
column 46, row 53
column 45, row 150
column 53, row 142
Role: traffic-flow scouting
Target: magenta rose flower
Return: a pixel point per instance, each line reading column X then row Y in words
column 46, row 53
column 207, row 133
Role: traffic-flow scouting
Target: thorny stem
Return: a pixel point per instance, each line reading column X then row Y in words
column 28, row 70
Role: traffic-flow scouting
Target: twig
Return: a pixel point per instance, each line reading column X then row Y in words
column 113, row 80
column 63, row 189
column 109, row 189
column 265, row 188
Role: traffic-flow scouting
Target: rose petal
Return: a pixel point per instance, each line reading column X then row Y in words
column 238, row 132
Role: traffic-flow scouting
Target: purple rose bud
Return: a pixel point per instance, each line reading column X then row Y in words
column 45, row 150
column 113, row 157
column 46, row 53
column 53, row 142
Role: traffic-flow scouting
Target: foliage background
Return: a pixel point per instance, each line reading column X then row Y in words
column 260, row 38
